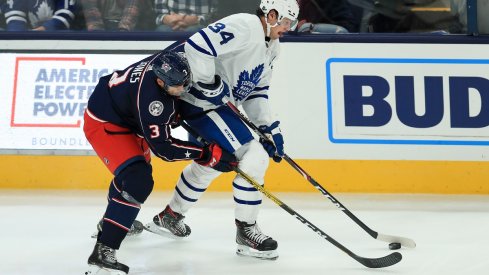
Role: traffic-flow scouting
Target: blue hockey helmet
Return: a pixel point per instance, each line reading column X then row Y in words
column 172, row 67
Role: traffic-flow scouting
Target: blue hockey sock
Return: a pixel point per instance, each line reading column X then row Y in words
column 118, row 219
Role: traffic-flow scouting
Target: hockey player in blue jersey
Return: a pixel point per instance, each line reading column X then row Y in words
column 232, row 59
column 39, row 15
column 129, row 115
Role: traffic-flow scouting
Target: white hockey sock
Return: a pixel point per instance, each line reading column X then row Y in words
column 254, row 162
column 192, row 183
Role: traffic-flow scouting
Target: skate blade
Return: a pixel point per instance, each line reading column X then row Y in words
column 246, row 251
column 136, row 230
column 96, row 270
column 129, row 235
column 153, row 228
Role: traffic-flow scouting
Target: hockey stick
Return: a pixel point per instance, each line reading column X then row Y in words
column 385, row 261
column 383, row 237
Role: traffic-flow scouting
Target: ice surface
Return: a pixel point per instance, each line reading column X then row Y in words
column 48, row 232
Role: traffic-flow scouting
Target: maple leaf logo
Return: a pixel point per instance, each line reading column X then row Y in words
column 42, row 12
column 247, row 82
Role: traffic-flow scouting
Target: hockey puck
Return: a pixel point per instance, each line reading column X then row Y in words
column 394, row 246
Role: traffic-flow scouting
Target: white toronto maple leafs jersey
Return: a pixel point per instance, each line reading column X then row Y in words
column 235, row 49
column 22, row 15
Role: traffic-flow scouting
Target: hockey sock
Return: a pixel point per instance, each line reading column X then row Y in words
column 192, row 184
column 118, row 218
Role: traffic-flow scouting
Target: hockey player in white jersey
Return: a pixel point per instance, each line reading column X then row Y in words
column 232, row 59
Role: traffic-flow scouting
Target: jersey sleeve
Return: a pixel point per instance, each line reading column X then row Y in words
column 157, row 112
column 16, row 15
column 63, row 16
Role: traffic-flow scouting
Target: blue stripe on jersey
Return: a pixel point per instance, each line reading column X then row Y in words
column 209, row 43
column 247, row 202
column 256, row 96
column 183, row 196
column 261, row 88
column 251, row 189
column 190, row 186
column 197, row 47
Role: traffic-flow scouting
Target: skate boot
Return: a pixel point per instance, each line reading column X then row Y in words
column 103, row 257
column 251, row 242
column 169, row 224
column 136, row 229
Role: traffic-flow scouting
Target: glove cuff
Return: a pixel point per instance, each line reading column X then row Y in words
column 205, row 156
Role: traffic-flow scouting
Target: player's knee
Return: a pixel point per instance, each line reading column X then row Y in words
column 137, row 182
column 254, row 161
column 200, row 175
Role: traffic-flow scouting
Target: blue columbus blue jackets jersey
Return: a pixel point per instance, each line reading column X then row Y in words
column 132, row 98
column 22, row 15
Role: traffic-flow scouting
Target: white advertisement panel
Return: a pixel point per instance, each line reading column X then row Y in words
column 44, row 96
column 334, row 100
column 408, row 101
column 383, row 101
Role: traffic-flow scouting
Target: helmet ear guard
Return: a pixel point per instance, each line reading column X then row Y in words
column 285, row 9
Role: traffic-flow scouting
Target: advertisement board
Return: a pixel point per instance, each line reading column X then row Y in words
column 383, row 101
column 334, row 100
column 358, row 116
column 44, row 98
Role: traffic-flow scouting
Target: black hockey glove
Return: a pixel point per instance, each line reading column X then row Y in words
column 276, row 149
column 215, row 157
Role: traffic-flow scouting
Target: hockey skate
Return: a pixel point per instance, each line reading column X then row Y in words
column 103, row 258
column 136, row 229
column 169, row 224
column 252, row 243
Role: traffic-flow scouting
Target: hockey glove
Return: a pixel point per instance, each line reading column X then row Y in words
column 214, row 92
column 215, row 157
column 276, row 149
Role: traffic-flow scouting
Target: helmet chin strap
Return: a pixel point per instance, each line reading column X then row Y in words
column 269, row 27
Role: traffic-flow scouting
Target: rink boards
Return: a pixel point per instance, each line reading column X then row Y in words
column 358, row 117
column 359, row 176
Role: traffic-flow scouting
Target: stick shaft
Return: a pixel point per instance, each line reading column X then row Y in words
column 374, row 234
column 385, row 261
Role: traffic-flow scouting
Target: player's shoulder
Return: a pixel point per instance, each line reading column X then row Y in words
column 243, row 23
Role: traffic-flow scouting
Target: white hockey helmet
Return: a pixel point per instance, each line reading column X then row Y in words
column 285, row 8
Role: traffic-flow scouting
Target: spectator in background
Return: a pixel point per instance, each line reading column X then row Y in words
column 326, row 16
column 183, row 15
column 2, row 18
column 227, row 7
column 39, row 15
column 459, row 9
column 118, row 15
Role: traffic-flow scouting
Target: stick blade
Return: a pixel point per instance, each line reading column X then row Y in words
column 385, row 261
column 395, row 239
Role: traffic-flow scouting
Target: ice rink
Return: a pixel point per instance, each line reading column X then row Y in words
column 48, row 232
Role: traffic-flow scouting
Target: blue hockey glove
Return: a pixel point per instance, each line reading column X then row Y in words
column 214, row 92
column 276, row 149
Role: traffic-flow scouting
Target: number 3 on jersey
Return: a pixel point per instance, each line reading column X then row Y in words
column 155, row 131
column 218, row 28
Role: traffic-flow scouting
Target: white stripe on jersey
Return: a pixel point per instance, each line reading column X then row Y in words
column 63, row 20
